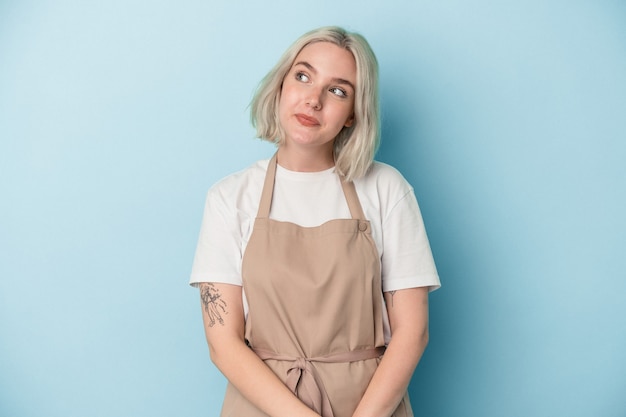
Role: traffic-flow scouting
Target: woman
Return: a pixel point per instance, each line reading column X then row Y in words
column 314, row 267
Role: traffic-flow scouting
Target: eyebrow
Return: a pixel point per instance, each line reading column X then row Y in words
column 334, row 80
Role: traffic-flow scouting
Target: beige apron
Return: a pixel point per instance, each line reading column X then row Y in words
column 315, row 308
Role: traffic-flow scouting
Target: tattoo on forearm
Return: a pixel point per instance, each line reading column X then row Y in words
column 213, row 303
column 391, row 293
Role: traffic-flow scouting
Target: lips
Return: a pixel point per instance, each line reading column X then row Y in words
column 308, row 121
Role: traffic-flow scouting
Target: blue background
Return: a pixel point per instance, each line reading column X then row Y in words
column 509, row 118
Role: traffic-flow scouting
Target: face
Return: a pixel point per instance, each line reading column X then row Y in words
column 317, row 97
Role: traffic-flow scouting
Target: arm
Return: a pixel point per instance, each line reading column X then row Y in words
column 408, row 318
column 223, row 317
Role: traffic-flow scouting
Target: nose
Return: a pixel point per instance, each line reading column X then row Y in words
column 315, row 99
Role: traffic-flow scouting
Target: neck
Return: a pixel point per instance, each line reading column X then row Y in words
column 311, row 160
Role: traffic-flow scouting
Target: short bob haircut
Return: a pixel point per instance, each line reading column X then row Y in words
column 354, row 146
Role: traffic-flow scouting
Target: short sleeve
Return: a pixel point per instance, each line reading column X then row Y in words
column 219, row 250
column 407, row 260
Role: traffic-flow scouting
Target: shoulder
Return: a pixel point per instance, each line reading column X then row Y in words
column 382, row 190
column 385, row 180
column 242, row 188
column 241, row 180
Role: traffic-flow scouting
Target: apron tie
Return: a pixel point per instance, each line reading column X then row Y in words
column 303, row 380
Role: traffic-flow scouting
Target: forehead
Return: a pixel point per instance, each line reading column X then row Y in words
column 329, row 58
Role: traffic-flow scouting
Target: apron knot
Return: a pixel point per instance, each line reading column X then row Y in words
column 305, row 383
column 300, row 364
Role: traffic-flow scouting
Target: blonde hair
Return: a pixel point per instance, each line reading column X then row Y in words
column 354, row 146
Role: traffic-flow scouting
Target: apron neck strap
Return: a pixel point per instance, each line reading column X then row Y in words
column 356, row 211
column 268, row 190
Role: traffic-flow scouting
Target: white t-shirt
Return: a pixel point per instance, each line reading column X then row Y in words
column 310, row 199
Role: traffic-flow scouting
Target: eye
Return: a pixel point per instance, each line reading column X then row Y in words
column 300, row 76
column 340, row 92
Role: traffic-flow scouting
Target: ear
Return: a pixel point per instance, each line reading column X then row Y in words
column 349, row 122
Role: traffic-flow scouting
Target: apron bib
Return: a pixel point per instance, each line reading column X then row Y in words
column 315, row 307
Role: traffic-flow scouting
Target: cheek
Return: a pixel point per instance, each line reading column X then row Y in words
column 347, row 115
column 285, row 98
column 283, row 109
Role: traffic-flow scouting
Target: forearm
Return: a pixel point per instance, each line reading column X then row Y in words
column 224, row 327
column 391, row 379
column 256, row 381
column 408, row 316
